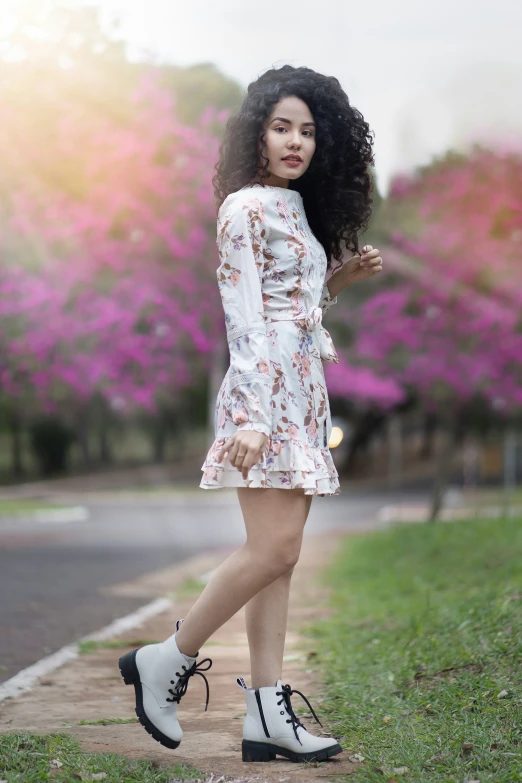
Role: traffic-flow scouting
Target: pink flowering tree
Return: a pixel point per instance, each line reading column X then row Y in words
column 446, row 327
column 107, row 284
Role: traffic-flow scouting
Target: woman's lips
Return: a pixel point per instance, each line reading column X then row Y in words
column 292, row 162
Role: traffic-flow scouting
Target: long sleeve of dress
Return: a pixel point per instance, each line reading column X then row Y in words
column 326, row 300
column 241, row 240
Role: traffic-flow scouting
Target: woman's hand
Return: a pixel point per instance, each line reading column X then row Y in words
column 245, row 449
column 355, row 269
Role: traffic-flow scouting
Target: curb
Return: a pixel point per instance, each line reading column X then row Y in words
column 26, row 679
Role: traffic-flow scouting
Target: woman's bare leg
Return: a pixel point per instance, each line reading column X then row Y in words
column 274, row 520
column 266, row 616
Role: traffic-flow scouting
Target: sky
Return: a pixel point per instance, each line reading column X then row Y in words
column 426, row 74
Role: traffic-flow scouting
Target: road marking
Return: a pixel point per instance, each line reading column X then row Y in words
column 26, row 679
column 62, row 515
column 46, row 516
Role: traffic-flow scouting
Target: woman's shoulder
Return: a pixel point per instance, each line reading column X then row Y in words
column 258, row 197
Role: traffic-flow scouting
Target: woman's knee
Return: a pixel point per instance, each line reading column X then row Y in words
column 274, row 519
column 281, row 553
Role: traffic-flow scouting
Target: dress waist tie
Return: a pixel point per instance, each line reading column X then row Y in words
column 312, row 322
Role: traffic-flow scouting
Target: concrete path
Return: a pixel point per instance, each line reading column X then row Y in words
column 89, row 688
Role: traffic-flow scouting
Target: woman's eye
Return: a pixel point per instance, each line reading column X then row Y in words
column 281, row 127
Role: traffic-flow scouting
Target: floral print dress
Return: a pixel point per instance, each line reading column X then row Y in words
column 272, row 283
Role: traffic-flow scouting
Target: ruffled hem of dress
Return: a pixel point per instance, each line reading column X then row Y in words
column 286, row 464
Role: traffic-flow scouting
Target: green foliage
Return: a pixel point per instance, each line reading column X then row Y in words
column 422, row 655
column 200, row 86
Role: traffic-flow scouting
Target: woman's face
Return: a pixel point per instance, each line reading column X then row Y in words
column 290, row 140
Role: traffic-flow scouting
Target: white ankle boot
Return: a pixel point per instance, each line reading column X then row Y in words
column 160, row 674
column 271, row 728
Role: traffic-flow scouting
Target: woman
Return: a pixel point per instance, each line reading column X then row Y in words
column 293, row 184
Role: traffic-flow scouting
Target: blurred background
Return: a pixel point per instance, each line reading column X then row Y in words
column 113, row 347
column 112, row 341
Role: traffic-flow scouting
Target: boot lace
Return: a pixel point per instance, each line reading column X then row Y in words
column 181, row 684
column 294, row 720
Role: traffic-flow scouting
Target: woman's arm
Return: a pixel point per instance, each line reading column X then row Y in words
column 356, row 268
column 241, row 242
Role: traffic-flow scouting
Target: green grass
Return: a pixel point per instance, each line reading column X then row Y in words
column 189, row 588
column 89, row 646
column 30, row 758
column 425, row 634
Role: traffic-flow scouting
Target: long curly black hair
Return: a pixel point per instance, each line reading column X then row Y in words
column 337, row 188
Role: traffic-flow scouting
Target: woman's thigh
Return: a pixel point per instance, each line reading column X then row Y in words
column 274, row 516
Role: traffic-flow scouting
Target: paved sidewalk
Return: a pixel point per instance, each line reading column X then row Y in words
column 90, row 688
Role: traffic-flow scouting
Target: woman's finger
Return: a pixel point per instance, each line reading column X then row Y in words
column 233, row 453
column 249, row 461
column 252, row 458
column 224, row 448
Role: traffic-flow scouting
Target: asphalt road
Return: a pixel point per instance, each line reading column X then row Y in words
column 51, row 574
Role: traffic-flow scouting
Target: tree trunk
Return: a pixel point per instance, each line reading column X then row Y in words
column 429, row 427
column 216, row 375
column 444, row 464
column 104, row 448
column 82, row 434
column 159, row 438
column 395, row 451
column 368, row 425
column 15, row 429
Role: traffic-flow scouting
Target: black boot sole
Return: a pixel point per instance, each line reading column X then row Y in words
column 131, row 676
column 262, row 751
